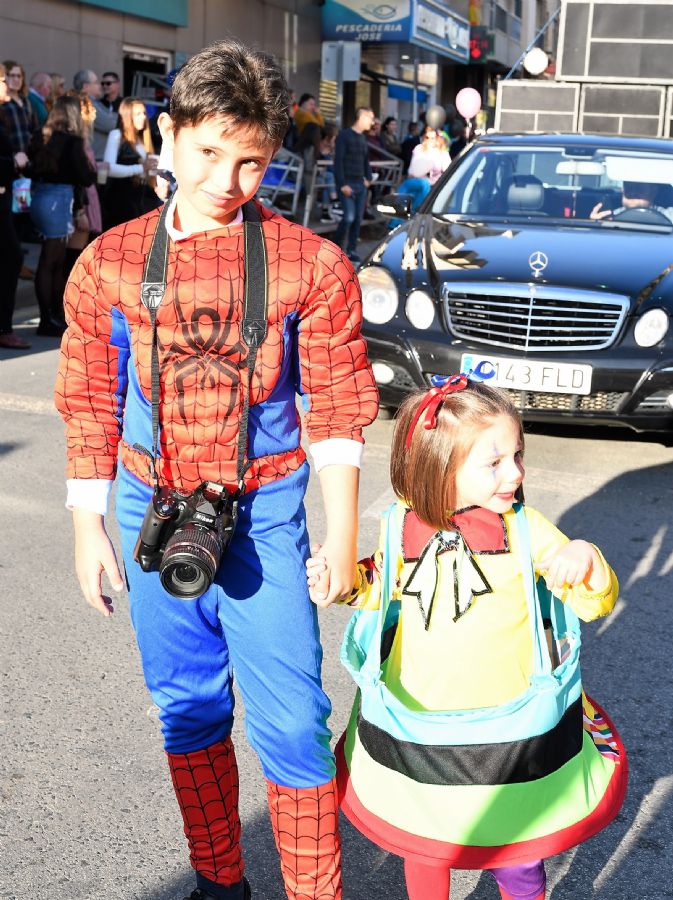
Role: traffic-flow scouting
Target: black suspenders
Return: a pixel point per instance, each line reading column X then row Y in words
column 254, row 326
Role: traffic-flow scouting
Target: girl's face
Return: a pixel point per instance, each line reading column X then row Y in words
column 139, row 117
column 493, row 469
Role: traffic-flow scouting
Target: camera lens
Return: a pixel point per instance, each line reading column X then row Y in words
column 190, row 561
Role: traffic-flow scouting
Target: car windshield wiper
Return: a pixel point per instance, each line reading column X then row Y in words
column 633, row 226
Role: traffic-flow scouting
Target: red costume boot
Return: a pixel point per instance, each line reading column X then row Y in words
column 306, row 828
column 206, row 785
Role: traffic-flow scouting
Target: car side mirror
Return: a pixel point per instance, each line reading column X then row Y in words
column 397, row 206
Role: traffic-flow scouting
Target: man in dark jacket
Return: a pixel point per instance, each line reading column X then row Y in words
column 353, row 175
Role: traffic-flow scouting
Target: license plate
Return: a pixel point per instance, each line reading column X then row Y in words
column 533, row 375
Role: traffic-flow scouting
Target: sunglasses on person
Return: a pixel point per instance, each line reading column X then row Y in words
column 108, row 83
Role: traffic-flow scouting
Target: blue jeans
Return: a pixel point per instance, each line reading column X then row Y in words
column 51, row 209
column 348, row 231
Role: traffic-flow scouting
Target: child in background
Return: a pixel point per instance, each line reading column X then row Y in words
column 456, row 562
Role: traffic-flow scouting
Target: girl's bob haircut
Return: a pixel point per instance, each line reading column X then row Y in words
column 424, row 476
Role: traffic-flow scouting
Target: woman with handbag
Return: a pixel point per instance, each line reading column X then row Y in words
column 60, row 172
column 472, row 744
column 133, row 164
column 10, row 249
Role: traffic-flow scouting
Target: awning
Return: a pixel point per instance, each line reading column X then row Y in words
column 399, row 91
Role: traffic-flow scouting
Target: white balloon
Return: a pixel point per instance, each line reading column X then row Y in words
column 535, row 61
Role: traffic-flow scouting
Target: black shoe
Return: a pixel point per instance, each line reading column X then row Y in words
column 50, row 328
column 200, row 894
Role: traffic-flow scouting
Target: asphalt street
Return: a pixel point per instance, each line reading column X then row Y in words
column 86, row 807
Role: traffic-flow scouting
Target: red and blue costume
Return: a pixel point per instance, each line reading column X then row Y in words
column 256, row 621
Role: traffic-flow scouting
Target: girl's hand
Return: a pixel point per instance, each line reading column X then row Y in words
column 20, row 160
column 317, row 576
column 94, row 554
column 331, row 575
column 571, row 565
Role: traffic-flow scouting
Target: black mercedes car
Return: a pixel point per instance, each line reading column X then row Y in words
column 551, row 256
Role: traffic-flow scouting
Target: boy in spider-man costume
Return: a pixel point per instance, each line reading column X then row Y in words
column 228, row 116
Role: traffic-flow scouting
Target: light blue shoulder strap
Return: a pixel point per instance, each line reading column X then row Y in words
column 541, row 661
column 391, row 549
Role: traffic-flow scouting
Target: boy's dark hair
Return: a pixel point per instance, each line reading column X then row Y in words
column 305, row 97
column 228, row 80
column 424, row 475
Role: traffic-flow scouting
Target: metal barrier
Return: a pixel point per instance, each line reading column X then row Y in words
column 284, row 182
column 290, row 174
column 389, row 171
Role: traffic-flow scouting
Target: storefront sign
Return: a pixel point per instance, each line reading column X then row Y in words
column 363, row 20
column 436, row 27
column 170, row 12
column 426, row 23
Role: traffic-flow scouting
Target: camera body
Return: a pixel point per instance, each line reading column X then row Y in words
column 185, row 536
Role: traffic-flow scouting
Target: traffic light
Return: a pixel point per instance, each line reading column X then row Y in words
column 481, row 44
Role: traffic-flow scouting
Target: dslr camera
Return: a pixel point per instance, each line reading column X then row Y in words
column 185, row 536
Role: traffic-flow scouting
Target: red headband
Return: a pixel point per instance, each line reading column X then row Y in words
column 431, row 403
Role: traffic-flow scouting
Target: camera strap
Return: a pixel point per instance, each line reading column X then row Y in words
column 253, row 329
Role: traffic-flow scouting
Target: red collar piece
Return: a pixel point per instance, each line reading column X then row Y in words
column 482, row 530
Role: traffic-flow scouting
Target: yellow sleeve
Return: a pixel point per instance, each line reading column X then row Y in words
column 589, row 605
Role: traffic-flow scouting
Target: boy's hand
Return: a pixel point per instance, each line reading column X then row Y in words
column 94, row 554
column 571, row 565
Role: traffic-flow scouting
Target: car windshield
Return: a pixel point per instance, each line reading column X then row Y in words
column 608, row 186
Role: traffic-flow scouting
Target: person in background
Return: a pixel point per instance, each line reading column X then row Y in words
column 38, row 94
column 431, row 157
column 130, row 156
column 88, row 220
column 111, row 98
column 353, row 175
column 306, row 112
column 59, row 168
column 21, row 125
column 412, row 140
column 635, row 195
column 389, row 139
column 57, row 88
column 86, row 80
column 10, row 249
column 462, row 135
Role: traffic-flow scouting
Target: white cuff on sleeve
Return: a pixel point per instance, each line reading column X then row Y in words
column 337, row 451
column 88, row 493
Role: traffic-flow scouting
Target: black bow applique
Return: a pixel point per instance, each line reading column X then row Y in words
column 423, row 545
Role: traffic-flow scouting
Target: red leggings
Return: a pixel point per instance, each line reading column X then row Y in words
column 522, row 882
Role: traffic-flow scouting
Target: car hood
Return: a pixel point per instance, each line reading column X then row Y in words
column 631, row 262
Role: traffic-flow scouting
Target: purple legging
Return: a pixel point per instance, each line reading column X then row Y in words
column 523, row 882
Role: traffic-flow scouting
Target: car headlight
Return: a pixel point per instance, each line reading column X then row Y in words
column 420, row 309
column 379, row 294
column 651, row 327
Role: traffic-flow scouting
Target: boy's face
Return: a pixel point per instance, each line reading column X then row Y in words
column 218, row 167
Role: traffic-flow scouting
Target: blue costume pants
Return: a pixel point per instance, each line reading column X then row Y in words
column 256, row 621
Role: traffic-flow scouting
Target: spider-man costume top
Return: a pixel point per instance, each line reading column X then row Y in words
column 313, row 346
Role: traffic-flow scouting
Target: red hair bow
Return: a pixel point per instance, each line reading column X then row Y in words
column 431, row 403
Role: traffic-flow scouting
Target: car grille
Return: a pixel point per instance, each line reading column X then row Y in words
column 535, row 317
column 601, row 401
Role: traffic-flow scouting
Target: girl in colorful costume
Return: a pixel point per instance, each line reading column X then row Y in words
column 471, row 745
